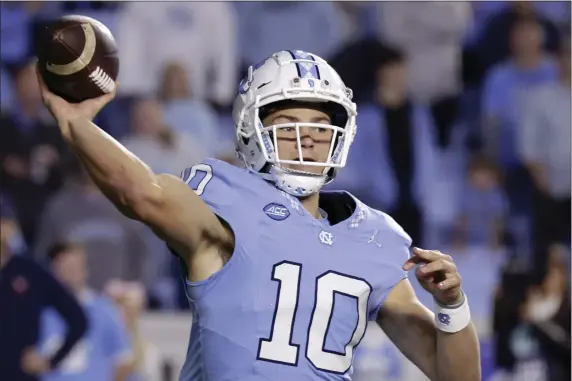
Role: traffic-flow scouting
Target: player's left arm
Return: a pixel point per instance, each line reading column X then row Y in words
column 446, row 348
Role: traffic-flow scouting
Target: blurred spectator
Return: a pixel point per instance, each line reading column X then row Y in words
column 163, row 149
column 185, row 114
column 545, row 149
column 200, row 35
column 483, row 11
column 532, row 320
column 268, row 26
column 30, row 151
column 503, row 98
column 355, row 19
column 483, row 208
column 516, row 348
column 104, row 353
column 115, row 245
column 495, row 44
column 27, row 288
column 548, row 310
column 130, row 298
column 395, row 136
column 361, row 78
column 10, row 230
column 433, row 50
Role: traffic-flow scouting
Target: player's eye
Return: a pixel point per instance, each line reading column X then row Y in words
column 320, row 129
column 288, row 129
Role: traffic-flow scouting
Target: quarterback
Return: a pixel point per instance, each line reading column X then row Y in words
column 282, row 277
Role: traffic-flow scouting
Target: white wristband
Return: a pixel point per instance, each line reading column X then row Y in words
column 454, row 319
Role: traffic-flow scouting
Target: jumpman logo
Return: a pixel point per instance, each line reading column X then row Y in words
column 373, row 238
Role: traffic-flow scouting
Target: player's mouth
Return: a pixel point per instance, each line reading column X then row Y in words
column 306, row 159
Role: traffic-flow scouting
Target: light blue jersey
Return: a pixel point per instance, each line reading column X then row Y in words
column 293, row 301
column 95, row 356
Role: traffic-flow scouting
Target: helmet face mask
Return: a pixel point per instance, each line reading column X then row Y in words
column 294, row 80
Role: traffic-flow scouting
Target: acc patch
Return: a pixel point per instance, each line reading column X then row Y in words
column 276, row 211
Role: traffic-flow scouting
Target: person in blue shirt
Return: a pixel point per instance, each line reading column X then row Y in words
column 281, row 276
column 104, row 353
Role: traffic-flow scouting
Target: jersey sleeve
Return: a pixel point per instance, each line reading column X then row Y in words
column 225, row 190
column 217, row 183
column 397, row 244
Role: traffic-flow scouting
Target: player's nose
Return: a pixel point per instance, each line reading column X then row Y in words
column 306, row 138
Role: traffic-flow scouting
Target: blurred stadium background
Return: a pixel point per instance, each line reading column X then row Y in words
column 463, row 137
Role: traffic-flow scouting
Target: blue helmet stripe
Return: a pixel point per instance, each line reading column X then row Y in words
column 305, row 69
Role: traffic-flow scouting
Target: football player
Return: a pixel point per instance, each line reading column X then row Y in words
column 282, row 278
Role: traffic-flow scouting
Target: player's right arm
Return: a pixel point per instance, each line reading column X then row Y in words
column 163, row 202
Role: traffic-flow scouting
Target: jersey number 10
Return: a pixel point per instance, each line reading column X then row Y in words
column 279, row 347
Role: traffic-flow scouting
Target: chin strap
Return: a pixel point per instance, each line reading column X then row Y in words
column 294, row 184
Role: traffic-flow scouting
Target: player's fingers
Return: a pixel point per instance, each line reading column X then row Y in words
column 450, row 283
column 47, row 95
column 427, row 255
column 43, row 87
column 432, row 255
column 412, row 262
column 438, row 265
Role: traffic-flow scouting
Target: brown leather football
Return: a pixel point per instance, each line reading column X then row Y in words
column 77, row 58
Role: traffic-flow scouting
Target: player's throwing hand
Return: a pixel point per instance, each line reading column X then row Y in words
column 64, row 112
column 437, row 274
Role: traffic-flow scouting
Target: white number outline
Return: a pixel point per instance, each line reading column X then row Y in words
column 280, row 352
column 203, row 168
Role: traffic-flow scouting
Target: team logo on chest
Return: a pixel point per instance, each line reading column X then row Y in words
column 326, row 238
column 276, row 211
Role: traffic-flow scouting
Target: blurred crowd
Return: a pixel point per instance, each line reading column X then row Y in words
column 463, row 137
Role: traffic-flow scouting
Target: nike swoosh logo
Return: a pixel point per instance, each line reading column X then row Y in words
column 264, row 84
column 84, row 58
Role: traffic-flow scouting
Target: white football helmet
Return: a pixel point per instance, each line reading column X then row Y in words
column 299, row 76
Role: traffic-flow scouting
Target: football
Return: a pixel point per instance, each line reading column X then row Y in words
column 77, row 58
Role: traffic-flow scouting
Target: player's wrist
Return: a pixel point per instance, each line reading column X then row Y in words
column 454, row 304
column 452, row 318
